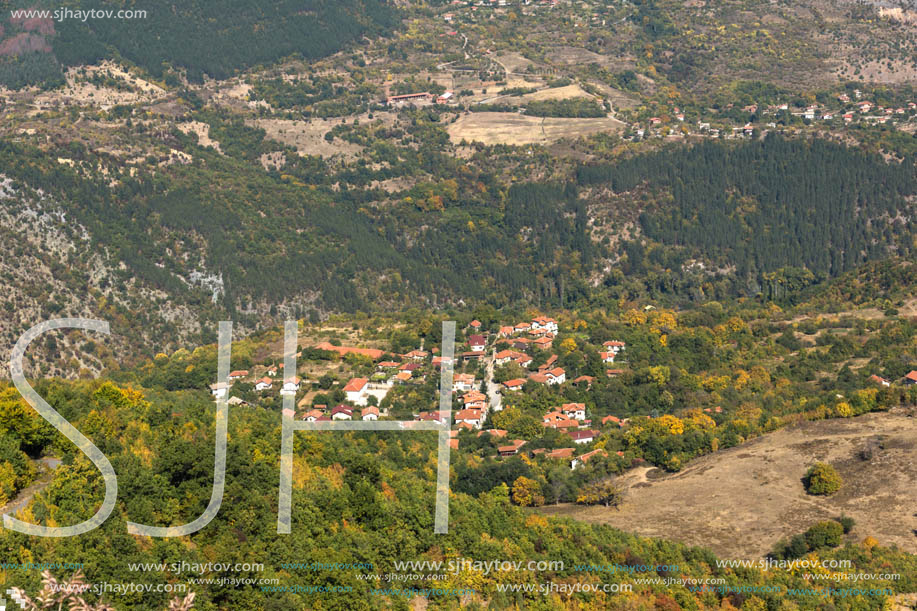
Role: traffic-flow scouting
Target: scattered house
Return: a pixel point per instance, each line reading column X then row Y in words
column 370, row 413
column 521, row 343
column 372, row 353
column 522, row 327
column 434, row 416
column 272, row 370
column 472, row 356
column 543, row 322
column 409, row 98
column 585, row 457
column 613, row 373
column 539, row 378
column 312, row 415
column 474, row 400
column 356, row 391
column 523, row 360
column 462, row 382
column 264, row 384
column 437, row 362
column 607, row 357
column 584, row 379
column 290, row 386
column 556, row 375
column 477, row 343
column 557, row 420
column 220, row 389
column 494, row 432
column 235, row 401
column 655, row 120
column 583, row 437
column 514, row 384
column 412, row 367
column 387, row 365
column 506, row 331
column 543, row 343
column 453, row 444
column 465, row 426
column 613, row 420
column 560, row 453
column 614, row 346
column 417, row 355
column 879, row 380
column 505, row 356
column 471, row 416
column 475, row 324
column 864, row 106
column 576, row 411
column 342, row 412
column 402, row 376
column 911, row 377
column 238, row 375
column 511, row 449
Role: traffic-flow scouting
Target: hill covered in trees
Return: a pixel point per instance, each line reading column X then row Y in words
column 216, row 38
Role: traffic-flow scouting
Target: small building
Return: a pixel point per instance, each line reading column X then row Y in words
column 583, row 437
column 477, row 343
column 356, row 391
column 370, row 413
column 238, row 375
column 585, row 457
column 911, row 377
column 879, row 380
column 342, row 412
column 576, row 411
column 470, row 416
column 291, row 386
column 556, row 375
column 462, row 382
column 514, row 384
column 220, row 389
column 263, row 384
column 512, row 448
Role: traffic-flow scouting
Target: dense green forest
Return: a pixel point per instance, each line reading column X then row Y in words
column 768, row 205
column 217, row 38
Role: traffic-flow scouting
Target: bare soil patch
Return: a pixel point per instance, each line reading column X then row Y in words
column 516, row 129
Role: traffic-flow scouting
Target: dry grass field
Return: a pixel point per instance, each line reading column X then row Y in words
column 740, row 502
column 513, row 128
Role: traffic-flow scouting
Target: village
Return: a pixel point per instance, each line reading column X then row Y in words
column 475, row 398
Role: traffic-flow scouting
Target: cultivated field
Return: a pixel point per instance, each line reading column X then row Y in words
column 740, row 502
column 513, row 128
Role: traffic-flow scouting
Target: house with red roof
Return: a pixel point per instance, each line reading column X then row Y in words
column 263, row 384
column 911, row 377
column 583, row 437
column 585, row 457
column 342, row 412
column 369, row 413
column 237, row 375
column 557, row 420
column 560, row 453
column 576, row 411
column 514, row 384
column 291, row 386
column 556, row 375
column 879, row 380
column 470, row 416
column 477, row 343
column 512, row 448
column 356, row 391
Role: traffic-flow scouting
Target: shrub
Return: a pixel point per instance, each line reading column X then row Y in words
column 846, row 522
column 824, row 534
column 822, row 479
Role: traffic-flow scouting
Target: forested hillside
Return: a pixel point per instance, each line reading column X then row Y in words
column 216, row 38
